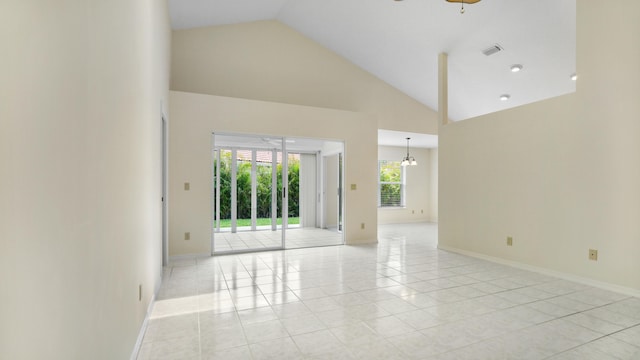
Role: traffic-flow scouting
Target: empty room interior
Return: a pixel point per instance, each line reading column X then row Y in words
column 281, row 179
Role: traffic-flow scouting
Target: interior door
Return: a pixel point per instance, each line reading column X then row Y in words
column 308, row 186
column 331, row 187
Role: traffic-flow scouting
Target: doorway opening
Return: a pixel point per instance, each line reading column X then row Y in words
column 274, row 193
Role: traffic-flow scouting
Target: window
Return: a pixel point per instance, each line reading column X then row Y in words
column 390, row 184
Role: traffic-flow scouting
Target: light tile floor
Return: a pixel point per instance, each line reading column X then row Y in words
column 262, row 239
column 400, row 299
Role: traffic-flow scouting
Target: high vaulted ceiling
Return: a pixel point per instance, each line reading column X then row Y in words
column 399, row 42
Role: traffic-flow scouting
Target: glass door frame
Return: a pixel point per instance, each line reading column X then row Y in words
column 215, row 189
column 276, row 145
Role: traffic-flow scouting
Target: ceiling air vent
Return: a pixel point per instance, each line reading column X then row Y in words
column 492, row 50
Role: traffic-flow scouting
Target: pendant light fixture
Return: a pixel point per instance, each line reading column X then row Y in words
column 463, row 2
column 408, row 160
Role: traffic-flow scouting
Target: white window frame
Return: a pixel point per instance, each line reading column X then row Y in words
column 402, row 183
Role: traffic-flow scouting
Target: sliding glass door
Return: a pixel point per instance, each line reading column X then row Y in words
column 264, row 196
column 248, row 193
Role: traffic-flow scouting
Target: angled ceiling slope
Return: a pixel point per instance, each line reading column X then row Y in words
column 399, row 42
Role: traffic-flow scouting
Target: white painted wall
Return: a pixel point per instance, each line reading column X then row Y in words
column 81, row 83
column 420, row 184
column 433, row 185
column 195, row 116
column 563, row 175
column 267, row 60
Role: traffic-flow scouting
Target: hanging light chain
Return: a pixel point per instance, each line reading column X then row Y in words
column 408, row 160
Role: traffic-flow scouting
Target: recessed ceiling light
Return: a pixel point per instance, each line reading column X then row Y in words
column 574, row 77
column 516, row 68
column 505, row 97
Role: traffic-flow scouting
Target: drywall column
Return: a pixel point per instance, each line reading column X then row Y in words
column 443, row 89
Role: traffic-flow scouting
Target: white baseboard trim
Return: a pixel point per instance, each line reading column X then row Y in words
column 558, row 274
column 143, row 329
column 366, row 241
column 407, row 221
column 188, row 257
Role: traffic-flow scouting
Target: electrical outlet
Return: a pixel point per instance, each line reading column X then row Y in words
column 421, row 211
column 593, row 254
column 187, row 236
column 413, row 211
column 362, row 226
column 354, row 187
column 509, row 240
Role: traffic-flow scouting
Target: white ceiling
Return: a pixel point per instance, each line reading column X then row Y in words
column 399, row 42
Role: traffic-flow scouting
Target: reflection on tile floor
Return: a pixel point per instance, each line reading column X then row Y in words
column 263, row 239
column 400, row 299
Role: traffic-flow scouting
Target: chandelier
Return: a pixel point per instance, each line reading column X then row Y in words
column 408, row 160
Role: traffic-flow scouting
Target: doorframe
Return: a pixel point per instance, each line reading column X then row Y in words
column 164, row 186
column 341, row 196
column 317, row 192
